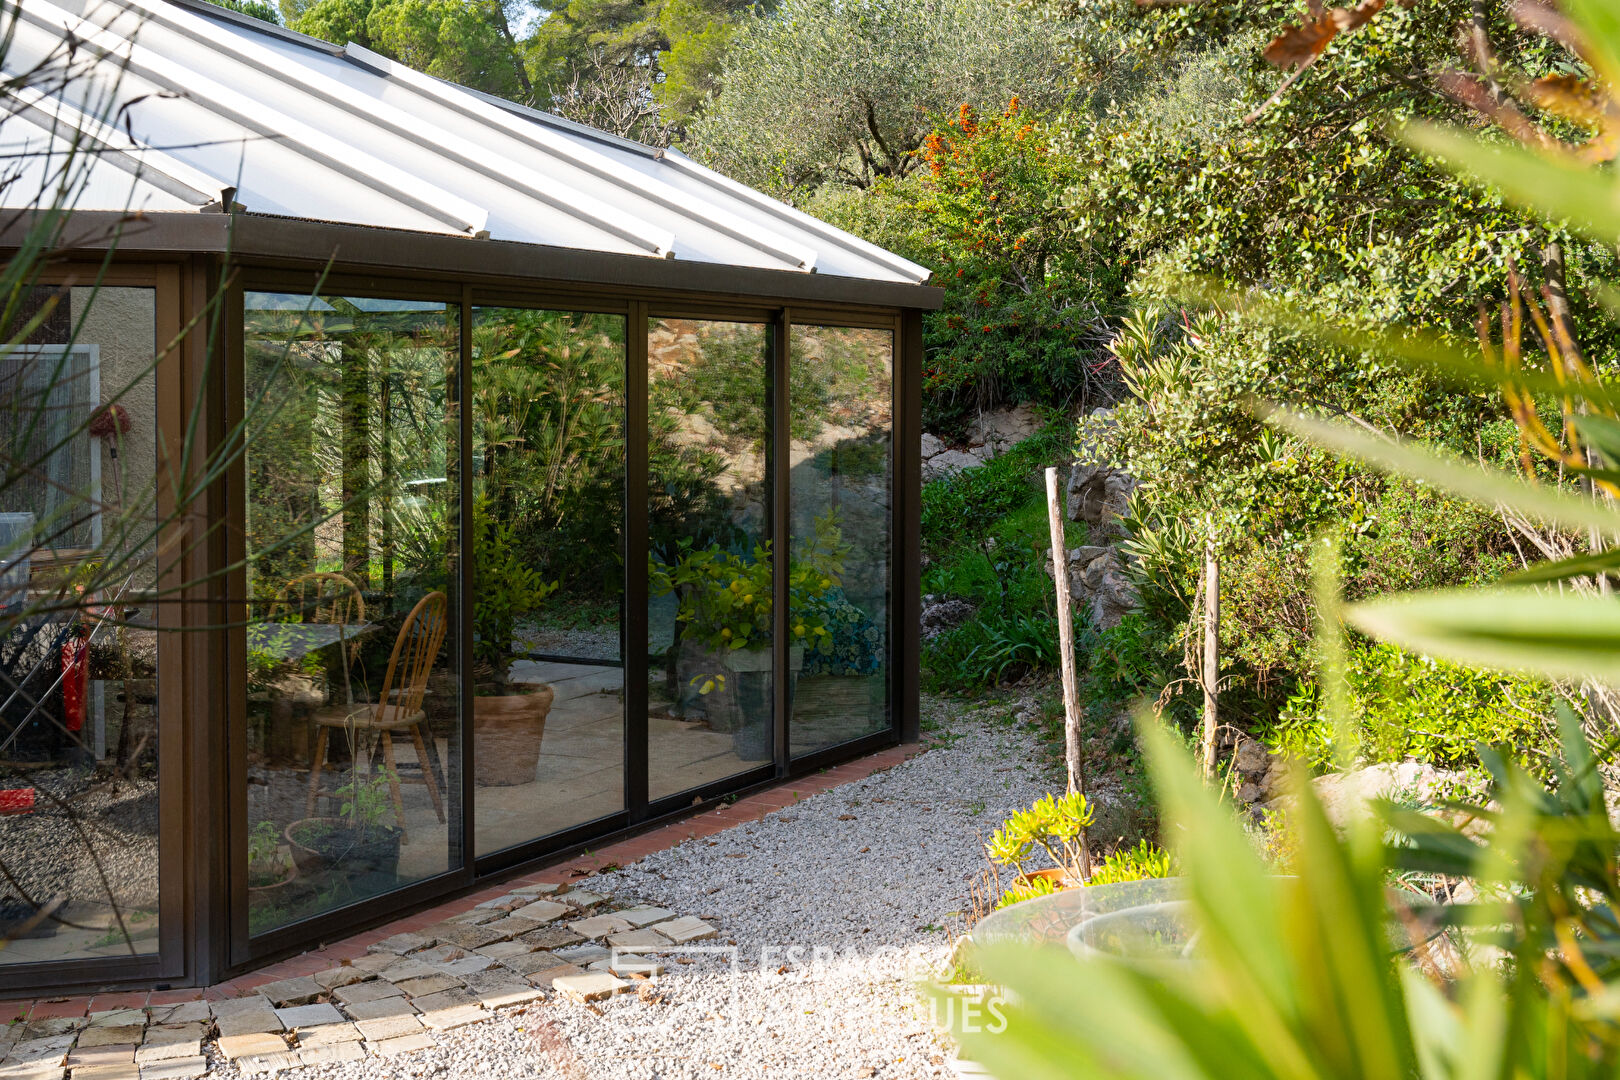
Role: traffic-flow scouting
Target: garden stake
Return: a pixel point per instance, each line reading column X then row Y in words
column 1210, row 675
column 1071, row 692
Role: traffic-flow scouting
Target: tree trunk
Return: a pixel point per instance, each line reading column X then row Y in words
column 1071, row 689
column 1210, row 673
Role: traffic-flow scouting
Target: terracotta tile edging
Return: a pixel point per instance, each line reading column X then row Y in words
column 575, row 870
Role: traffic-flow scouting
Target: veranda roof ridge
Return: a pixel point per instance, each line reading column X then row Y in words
column 538, row 136
column 388, row 179
column 147, row 163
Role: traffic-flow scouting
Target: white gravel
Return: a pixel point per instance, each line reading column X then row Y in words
column 866, row 883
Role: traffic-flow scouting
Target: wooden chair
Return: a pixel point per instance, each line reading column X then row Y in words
column 321, row 597
column 397, row 708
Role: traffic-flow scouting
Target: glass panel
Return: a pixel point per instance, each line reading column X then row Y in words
column 353, row 725
column 78, row 645
column 548, row 585
column 709, row 597
column 839, row 403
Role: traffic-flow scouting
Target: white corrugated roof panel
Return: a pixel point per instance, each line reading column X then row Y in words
column 187, row 105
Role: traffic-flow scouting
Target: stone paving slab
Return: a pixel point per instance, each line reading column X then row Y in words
column 455, row 1016
column 124, row 1034
column 545, row 980
column 302, row 1016
column 376, row 1010
column 599, row 926
column 188, row 1012
column 375, row 990
column 168, row 1051
column 645, row 938
column 543, row 911
column 120, row 1071
column 344, row 975
column 290, row 992
column 117, row 1017
column 408, row 968
column 467, row 965
column 582, row 898
column 327, row 1034
column 686, row 929
column 528, row 963
column 268, row 1064
column 501, row 950
column 400, row 944
column 404, row 1044
column 100, row 1055
column 540, row 889
column 590, row 986
column 429, row 984
column 388, row 1027
column 251, row 1045
column 444, row 999
column 162, row 1034
column 645, row 916
column 331, row 1053
column 178, row 1069
column 552, row 937
column 464, row 936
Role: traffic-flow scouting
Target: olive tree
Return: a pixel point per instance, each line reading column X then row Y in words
column 833, row 92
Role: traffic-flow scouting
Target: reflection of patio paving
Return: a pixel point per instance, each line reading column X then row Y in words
column 580, row 776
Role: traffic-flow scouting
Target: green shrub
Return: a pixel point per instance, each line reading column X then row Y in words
column 1137, row 863
column 1412, row 706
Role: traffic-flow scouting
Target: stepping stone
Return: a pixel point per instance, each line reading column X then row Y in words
column 545, row 979
column 290, row 992
column 581, row 899
column 167, row 1051
column 647, row 938
column 431, row 984
column 599, row 926
column 187, row 1012
column 403, row 1044
column 464, row 936
column 644, row 916
column 331, row 1053
column 531, row 962
column 551, row 937
column 544, row 888
column 406, row 970
column 503, row 950
column 164, row 1034
column 400, row 944
column 332, row 978
column 304, row 1016
column 52, row 1050
column 589, row 986
column 127, row 1034
column 126, row 1070
column 631, row 964
column 375, row 990
column 178, row 1069
column 454, row 1017
column 376, row 1010
column 259, row 1019
column 543, row 911
column 476, row 917
column 685, row 929
column 583, row 954
column 444, row 999
column 101, row 1055
column 117, row 1018
column 506, row 994
column 256, row 1044
column 52, row 1027
column 267, row 1064
column 374, row 962
column 440, row 954
column 502, row 903
column 467, row 965
column 328, row 1034
column 512, row 926
column 388, row 1027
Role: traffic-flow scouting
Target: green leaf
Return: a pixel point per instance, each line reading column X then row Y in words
column 1467, row 480
column 1550, row 634
column 1599, row 23
column 1562, row 190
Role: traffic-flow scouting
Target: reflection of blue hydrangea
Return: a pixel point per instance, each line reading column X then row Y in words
column 856, row 646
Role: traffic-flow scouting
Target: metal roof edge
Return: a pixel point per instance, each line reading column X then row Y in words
column 401, row 251
column 257, row 26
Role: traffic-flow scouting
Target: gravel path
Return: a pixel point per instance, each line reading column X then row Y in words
column 865, row 882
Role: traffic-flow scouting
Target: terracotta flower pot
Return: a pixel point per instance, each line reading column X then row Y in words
column 320, row 844
column 506, row 736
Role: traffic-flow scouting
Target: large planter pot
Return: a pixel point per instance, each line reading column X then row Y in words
column 322, row 844
column 275, row 891
column 506, row 736
column 748, row 688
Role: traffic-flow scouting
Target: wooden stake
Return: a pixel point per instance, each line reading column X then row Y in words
column 1071, row 687
column 1210, row 676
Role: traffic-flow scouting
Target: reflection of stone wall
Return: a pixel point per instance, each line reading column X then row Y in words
column 122, row 322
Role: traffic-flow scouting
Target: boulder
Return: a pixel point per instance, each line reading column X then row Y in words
column 947, row 463
column 942, row 613
column 1099, row 585
column 1098, row 495
column 1002, row 429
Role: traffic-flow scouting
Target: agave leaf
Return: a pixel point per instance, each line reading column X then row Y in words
column 1597, row 562
column 1599, row 24
column 1491, row 487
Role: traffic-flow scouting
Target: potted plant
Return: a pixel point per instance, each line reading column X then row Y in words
column 357, row 842
column 1056, row 825
column 509, row 719
column 271, row 869
column 724, row 615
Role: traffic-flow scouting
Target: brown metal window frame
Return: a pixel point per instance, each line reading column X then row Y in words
column 176, row 699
